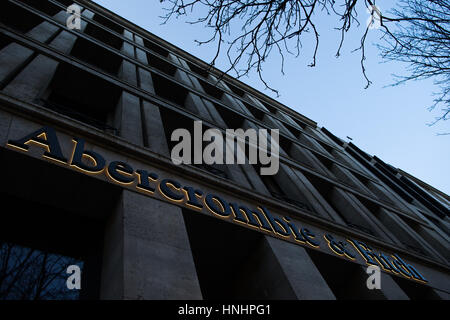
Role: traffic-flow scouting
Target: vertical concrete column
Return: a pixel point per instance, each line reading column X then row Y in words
column 128, row 69
column 420, row 238
column 318, row 203
column 139, row 40
column 235, row 103
column 307, row 158
column 5, row 123
column 309, row 141
column 300, row 271
column 128, row 118
column 356, row 213
column 256, row 102
column 228, row 99
column 141, row 260
column 36, row 76
column 144, row 76
column 287, row 117
column 141, row 55
column 255, row 179
column 217, row 118
column 155, row 135
column 128, row 72
column 195, row 104
column 183, row 76
column 277, row 124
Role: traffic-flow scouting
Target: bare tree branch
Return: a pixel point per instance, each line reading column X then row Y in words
column 416, row 32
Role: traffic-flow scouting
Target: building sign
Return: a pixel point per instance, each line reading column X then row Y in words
column 259, row 218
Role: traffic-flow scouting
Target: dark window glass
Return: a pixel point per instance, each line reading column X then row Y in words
column 108, row 23
column 18, row 18
column 104, row 36
column 82, row 96
column 156, row 48
column 211, row 90
column 169, row 90
column 161, row 64
column 43, row 6
column 200, row 71
column 97, row 56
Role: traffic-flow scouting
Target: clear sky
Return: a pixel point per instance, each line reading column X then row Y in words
column 389, row 122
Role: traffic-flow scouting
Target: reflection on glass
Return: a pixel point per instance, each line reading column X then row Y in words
column 30, row 274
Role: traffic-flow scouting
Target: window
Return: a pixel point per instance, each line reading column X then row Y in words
column 161, row 65
column 269, row 107
column 431, row 236
column 213, row 91
column 108, row 23
column 32, row 274
column 61, row 221
column 156, row 48
column 65, row 3
column 43, row 6
column 280, row 187
column 82, row 96
column 97, row 56
column 235, row 89
column 257, row 113
column 18, row 18
column 103, row 36
column 340, row 201
column 300, row 123
column 172, row 121
column 232, row 119
column 169, row 90
column 293, row 130
column 198, row 70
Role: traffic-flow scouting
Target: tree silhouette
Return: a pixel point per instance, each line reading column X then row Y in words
column 30, row 274
column 416, row 32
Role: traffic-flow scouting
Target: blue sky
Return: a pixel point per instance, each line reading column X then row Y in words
column 389, row 122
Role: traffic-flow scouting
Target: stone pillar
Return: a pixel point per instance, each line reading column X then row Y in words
column 311, row 142
column 286, row 117
column 300, row 272
column 128, row 69
column 217, row 118
column 317, row 202
column 273, row 123
column 390, row 288
column 356, row 213
column 141, row 259
column 155, row 136
column 128, row 118
column 183, row 76
column 307, row 158
column 256, row 102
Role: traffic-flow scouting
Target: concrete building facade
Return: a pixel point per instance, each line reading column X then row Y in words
column 86, row 118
